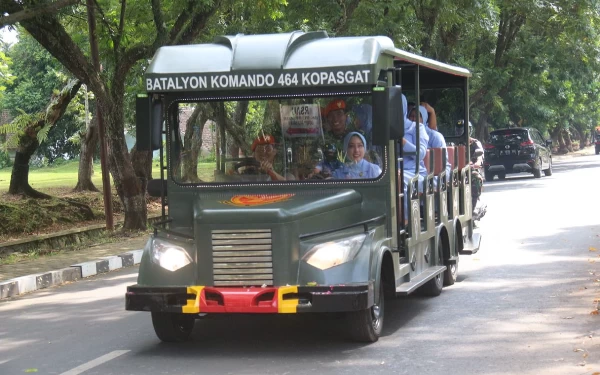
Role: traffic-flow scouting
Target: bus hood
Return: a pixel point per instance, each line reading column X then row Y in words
column 271, row 208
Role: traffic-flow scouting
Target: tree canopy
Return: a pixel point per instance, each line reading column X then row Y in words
column 534, row 62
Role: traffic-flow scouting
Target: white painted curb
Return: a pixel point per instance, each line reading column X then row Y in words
column 30, row 283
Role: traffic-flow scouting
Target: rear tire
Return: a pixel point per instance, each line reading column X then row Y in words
column 548, row 172
column 433, row 287
column 489, row 177
column 172, row 327
column 537, row 172
column 451, row 272
column 366, row 325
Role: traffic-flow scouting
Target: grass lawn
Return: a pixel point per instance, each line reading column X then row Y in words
column 65, row 175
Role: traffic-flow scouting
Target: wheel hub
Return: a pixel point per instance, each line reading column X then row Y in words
column 376, row 314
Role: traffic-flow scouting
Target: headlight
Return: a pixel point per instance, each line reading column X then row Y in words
column 331, row 254
column 168, row 256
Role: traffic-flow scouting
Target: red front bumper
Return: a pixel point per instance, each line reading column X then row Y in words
column 269, row 300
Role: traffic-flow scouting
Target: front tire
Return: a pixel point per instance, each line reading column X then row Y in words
column 366, row 325
column 502, row 176
column 172, row 327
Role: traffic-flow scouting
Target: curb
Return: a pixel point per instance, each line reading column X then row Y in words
column 30, row 283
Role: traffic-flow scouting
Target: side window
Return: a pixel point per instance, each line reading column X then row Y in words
column 538, row 137
column 542, row 139
column 535, row 136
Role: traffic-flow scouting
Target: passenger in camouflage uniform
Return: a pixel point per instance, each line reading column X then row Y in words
column 338, row 124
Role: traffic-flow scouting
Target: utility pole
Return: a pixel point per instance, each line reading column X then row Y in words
column 108, row 209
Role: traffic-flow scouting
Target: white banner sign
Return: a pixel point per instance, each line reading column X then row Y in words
column 302, row 120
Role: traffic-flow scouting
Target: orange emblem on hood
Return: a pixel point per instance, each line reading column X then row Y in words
column 256, row 199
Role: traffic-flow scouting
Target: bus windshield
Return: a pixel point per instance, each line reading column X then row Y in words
column 273, row 140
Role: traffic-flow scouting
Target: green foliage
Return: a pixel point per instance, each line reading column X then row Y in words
column 5, row 161
column 40, row 76
column 6, row 77
column 210, row 158
column 17, row 126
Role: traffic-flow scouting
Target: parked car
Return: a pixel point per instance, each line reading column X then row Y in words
column 597, row 141
column 516, row 150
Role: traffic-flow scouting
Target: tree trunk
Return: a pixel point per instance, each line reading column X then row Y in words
column 562, row 146
column 142, row 165
column 567, row 139
column 128, row 186
column 481, row 132
column 89, row 142
column 28, row 141
column 194, row 128
column 19, row 179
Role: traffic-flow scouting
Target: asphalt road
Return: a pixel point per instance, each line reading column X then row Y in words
column 522, row 306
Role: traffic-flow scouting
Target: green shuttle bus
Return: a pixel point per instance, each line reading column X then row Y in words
column 287, row 183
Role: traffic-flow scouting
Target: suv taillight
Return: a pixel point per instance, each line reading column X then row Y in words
column 488, row 146
column 527, row 143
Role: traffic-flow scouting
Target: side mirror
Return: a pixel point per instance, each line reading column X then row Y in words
column 143, row 134
column 156, row 124
column 548, row 143
column 155, row 186
column 148, row 123
column 387, row 113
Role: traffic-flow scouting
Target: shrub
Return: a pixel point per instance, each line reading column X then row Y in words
column 5, row 161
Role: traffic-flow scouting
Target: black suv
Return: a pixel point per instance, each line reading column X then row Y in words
column 517, row 150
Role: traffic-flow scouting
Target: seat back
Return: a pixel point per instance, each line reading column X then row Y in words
column 438, row 160
column 462, row 157
column 427, row 161
column 451, row 156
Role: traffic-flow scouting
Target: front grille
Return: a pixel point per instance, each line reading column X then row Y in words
column 242, row 257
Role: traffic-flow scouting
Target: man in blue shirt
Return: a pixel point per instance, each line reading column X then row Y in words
column 409, row 146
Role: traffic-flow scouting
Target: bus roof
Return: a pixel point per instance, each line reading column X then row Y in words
column 411, row 58
column 285, row 60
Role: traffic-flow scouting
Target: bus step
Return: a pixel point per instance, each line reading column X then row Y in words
column 414, row 284
column 471, row 245
column 403, row 272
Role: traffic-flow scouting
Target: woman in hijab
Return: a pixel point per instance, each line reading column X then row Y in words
column 412, row 116
column 436, row 139
column 355, row 147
